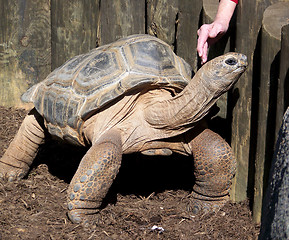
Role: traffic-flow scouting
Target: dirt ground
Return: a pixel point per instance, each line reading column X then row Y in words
column 149, row 199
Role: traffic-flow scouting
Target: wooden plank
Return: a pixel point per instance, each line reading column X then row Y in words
column 283, row 84
column 176, row 23
column 249, row 18
column 120, row 18
column 24, row 47
column 74, row 27
column 186, row 26
column 274, row 18
column 161, row 20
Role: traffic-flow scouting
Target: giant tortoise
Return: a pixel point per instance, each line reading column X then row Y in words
column 133, row 95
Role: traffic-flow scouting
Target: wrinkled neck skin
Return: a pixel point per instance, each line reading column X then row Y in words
column 188, row 107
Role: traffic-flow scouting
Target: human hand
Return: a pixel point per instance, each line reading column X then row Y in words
column 208, row 34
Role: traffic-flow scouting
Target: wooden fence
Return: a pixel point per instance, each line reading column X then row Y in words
column 36, row 36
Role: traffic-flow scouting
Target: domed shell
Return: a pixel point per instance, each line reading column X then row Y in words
column 84, row 84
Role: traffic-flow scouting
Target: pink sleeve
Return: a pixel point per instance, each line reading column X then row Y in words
column 235, row 1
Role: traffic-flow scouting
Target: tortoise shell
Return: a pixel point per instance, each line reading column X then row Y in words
column 84, row 84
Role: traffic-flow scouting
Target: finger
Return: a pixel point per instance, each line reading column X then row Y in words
column 205, row 53
column 203, row 34
column 201, row 43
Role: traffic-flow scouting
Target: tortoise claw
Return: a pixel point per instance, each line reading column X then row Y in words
column 10, row 173
column 197, row 206
column 84, row 218
column 203, row 205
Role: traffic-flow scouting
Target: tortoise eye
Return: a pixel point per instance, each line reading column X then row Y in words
column 231, row 61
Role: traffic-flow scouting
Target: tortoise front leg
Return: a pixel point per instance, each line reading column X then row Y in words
column 214, row 168
column 21, row 152
column 94, row 176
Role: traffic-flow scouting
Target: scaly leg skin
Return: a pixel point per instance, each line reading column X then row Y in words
column 94, row 176
column 214, row 166
column 21, row 152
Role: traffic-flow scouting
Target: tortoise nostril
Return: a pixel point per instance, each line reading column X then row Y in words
column 231, row 61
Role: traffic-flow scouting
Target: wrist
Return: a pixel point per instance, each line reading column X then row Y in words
column 225, row 12
column 222, row 24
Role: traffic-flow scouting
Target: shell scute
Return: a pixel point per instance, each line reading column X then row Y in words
column 101, row 71
column 150, row 57
column 60, row 107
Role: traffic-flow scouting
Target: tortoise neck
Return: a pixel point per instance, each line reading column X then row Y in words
column 184, row 110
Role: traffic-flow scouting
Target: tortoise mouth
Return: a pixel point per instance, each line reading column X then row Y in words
column 240, row 69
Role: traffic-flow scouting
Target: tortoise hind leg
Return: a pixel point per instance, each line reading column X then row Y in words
column 21, row 152
column 93, row 178
column 214, row 168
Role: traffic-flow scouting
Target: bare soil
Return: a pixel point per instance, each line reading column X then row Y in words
column 149, row 199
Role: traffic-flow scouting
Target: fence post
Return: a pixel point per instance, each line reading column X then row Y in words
column 249, row 18
column 24, row 47
column 187, row 24
column 274, row 18
column 119, row 19
column 283, row 84
column 74, row 27
column 176, row 22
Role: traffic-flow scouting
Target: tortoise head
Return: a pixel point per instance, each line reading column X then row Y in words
column 188, row 107
column 222, row 72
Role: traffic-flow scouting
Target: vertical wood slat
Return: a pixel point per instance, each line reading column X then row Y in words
column 283, row 84
column 176, row 23
column 74, row 28
column 161, row 20
column 186, row 36
column 247, row 31
column 274, row 18
column 24, row 47
column 120, row 18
